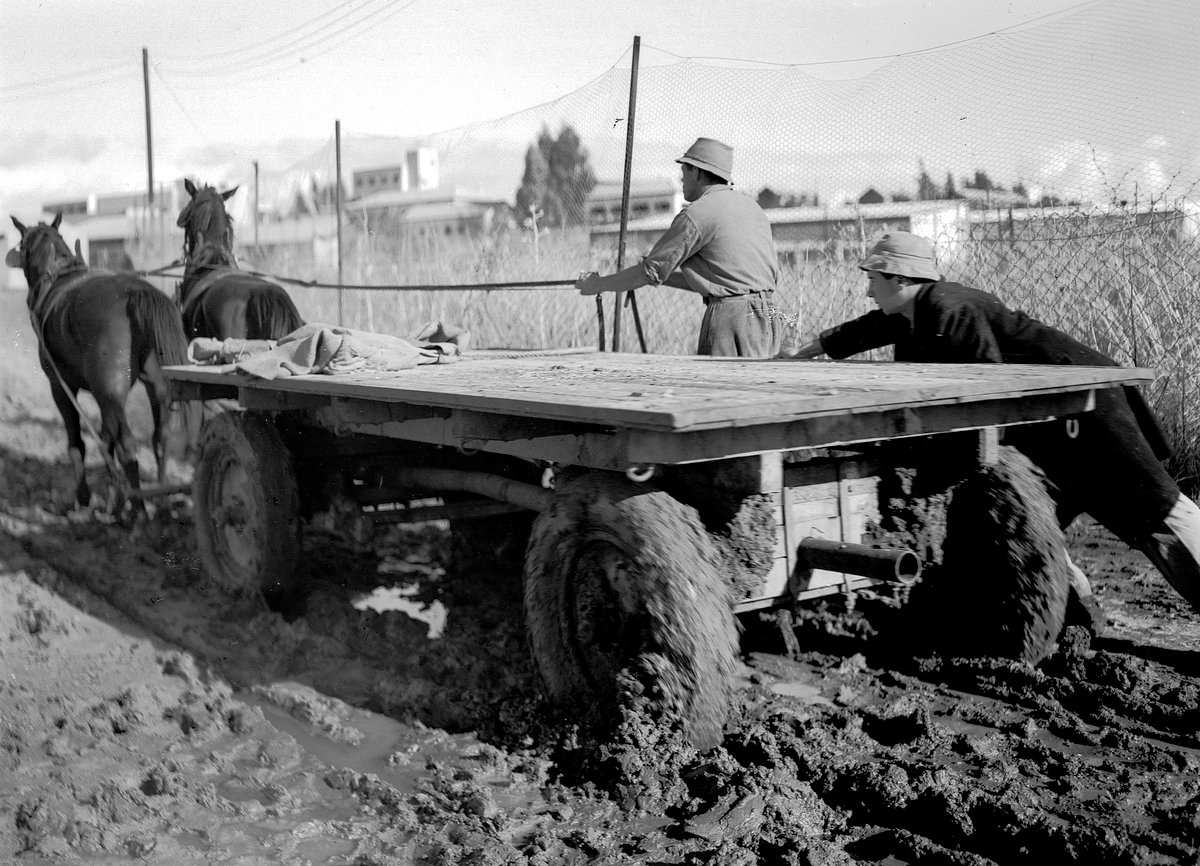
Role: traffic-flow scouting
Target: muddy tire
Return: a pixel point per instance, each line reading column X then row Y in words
column 1002, row 586
column 246, row 505
column 620, row 583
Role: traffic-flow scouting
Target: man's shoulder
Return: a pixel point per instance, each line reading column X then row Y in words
column 724, row 196
column 945, row 293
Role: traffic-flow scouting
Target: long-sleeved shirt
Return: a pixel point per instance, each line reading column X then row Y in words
column 1107, row 466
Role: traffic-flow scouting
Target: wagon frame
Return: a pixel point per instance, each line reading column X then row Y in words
column 723, row 467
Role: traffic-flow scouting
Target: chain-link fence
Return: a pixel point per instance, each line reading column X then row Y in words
column 1056, row 165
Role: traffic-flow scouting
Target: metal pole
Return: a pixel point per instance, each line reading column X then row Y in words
column 633, row 71
column 149, row 148
column 337, row 181
column 256, row 207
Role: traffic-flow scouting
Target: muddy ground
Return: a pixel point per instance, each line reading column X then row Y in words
column 145, row 718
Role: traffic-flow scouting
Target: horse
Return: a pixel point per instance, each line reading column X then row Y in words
column 100, row 332
column 215, row 297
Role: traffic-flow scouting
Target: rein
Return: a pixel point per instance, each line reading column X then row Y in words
column 50, row 292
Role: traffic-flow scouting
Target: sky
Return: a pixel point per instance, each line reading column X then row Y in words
column 232, row 83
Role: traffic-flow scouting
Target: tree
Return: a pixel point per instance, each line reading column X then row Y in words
column 557, row 179
column 1019, row 189
column 981, row 181
column 950, row 191
column 532, row 191
column 927, row 190
column 767, row 197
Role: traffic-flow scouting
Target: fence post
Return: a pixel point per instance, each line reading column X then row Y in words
column 631, row 115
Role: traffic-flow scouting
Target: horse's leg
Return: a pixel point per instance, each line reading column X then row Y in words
column 75, row 447
column 166, row 421
column 118, row 438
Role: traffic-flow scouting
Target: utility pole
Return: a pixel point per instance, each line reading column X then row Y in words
column 256, row 207
column 149, row 147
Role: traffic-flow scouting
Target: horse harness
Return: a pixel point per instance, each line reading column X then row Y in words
column 203, row 284
column 218, row 263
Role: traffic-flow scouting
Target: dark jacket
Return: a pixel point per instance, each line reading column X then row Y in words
column 1110, row 468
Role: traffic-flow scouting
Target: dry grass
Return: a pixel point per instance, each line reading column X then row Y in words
column 1121, row 283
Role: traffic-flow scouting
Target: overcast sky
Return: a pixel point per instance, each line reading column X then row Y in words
column 233, row 82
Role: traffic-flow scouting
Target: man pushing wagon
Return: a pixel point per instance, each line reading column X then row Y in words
column 1106, row 463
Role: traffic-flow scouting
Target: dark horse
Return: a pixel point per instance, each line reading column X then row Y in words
column 216, row 298
column 99, row 332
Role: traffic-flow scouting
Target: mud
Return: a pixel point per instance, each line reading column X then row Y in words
column 391, row 714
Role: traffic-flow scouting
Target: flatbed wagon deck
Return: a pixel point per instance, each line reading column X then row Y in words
column 670, row 493
column 617, row 410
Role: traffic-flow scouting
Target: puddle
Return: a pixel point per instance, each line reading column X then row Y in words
column 389, row 598
column 382, row 750
column 398, row 754
column 804, row 692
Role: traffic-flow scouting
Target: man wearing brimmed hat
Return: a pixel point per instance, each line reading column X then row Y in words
column 719, row 246
column 1106, row 463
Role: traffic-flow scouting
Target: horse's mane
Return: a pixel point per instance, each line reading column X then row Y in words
column 47, row 257
column 200, row 216
column 53, row 256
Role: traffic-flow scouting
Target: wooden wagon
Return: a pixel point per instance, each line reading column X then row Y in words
column 671, row 493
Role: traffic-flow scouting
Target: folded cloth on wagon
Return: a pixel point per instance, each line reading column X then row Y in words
column 329, row 349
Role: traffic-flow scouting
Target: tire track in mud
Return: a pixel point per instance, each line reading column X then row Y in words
column 1089, row 758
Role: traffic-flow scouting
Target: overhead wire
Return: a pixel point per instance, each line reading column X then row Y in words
column 166, row 84
column 312, row 44
column 240, row 49
column 64, row 83
column 330, row 43
column 872, row 57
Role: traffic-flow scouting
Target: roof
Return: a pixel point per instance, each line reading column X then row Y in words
column 441, row 211
column 814, row 214
column 607, row 189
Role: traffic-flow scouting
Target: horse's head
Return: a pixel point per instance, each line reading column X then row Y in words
column 204, row 219
column 42, row 254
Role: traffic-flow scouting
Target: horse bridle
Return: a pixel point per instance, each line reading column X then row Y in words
column 55, row 270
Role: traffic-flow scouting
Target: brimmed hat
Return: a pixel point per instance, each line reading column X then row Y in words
column 711, row 155
column 902, row 254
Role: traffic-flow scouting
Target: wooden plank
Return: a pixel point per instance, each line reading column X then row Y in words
column 648, row 446
column 674, row 393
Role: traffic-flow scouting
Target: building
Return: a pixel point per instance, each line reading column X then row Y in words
column 646, row 199
column 118, row 232
column 444, row 212
column 408, row 198
column 798, row 231
column 418, row 172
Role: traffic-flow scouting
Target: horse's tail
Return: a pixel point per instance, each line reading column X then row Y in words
column 157, row 321
column 271, row 314
column 156, row 318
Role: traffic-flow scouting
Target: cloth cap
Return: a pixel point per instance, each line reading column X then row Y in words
column 902, row 254
column 711, row 155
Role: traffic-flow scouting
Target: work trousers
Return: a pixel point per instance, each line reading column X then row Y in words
column 742, row 326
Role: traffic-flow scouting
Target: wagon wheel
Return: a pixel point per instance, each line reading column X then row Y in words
column 620, row 581
column 1002, row 586
column 246, row 504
